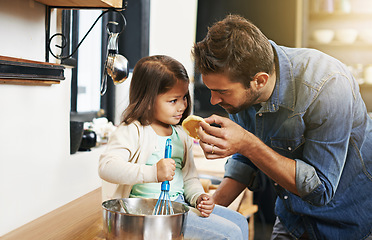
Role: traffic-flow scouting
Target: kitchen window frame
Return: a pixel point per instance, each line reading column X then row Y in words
column 70, row 29
column 138, row 29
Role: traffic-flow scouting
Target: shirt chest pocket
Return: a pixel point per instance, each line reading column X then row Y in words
column 291, row 148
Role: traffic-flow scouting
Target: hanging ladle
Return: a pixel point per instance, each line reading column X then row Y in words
column 116, row 65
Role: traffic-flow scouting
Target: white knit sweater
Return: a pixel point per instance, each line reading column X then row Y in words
column 123, row 163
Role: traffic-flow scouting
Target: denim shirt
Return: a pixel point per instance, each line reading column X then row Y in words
column 316, row 117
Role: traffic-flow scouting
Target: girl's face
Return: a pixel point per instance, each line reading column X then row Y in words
column 169, row 107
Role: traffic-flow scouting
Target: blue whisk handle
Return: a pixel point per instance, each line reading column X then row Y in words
column 168, row 148
column 164, row 204
column 165, row 186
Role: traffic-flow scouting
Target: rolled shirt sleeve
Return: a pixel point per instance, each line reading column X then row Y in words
column 244, row 173
column 307, row 179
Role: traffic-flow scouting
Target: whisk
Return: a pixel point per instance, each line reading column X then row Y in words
column 164, row 205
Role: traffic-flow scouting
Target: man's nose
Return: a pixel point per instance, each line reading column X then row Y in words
column 215, row 99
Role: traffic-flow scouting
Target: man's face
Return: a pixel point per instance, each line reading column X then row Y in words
column 232, row 96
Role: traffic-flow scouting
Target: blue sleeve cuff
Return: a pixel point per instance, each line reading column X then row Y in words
column 309, row 185
column 244, row 173
column 307, row 179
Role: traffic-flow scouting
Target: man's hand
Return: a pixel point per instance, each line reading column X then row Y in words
column 232, row 138
column 220, row 142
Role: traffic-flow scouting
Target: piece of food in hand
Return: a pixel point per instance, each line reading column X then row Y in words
column 191, row 125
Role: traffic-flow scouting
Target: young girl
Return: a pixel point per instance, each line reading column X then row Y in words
column 133, row 164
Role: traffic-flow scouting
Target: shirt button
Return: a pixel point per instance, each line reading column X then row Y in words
column 289, row 148
column 275, row 184
column 285, row 197
column 260, row 114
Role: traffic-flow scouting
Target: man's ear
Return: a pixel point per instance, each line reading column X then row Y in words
column 260, row 80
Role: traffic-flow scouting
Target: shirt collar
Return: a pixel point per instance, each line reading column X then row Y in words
column 284, row 91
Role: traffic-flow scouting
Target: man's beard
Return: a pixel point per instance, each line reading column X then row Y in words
column 250, row 100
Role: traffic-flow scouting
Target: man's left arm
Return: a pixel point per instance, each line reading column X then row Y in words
column 315, row 176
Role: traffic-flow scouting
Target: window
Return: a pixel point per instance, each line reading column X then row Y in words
column 89, row 62
column 89, row 59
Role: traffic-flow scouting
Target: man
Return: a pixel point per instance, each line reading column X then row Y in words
column 296, row 116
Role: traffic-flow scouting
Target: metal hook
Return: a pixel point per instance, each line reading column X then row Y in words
column 82, row 40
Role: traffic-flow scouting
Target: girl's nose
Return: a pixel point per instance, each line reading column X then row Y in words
column 182, row 106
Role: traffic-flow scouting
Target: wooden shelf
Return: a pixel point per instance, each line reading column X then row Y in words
column 83, row 3
column 27, row 72
column 366, row 85
column 340, row 15
column 357, row 44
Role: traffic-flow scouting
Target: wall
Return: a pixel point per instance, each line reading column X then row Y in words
column 280, row 21
column 37, row 173
column 172, row 32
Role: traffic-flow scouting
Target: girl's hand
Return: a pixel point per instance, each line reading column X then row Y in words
column 165, row 169
column 205, row 204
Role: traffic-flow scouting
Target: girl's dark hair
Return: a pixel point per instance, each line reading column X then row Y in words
column 152, row 76
column 235, row 47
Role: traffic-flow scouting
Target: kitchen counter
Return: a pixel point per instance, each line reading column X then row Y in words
column 80, row 219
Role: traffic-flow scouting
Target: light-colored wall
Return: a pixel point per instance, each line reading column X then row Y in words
column 37, row 173
column 172, row 32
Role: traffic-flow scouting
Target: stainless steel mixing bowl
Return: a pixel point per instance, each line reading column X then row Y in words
column 140, row 223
